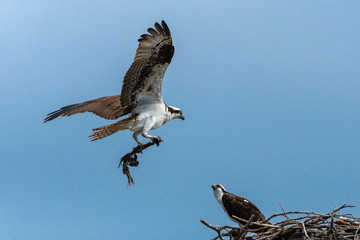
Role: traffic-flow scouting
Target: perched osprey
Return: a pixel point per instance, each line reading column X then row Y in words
column 141, row 92
column 236, row 206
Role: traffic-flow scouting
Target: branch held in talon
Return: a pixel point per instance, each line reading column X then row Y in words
column 140, row 97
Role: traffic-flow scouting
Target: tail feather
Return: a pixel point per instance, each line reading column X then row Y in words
column 110, row 129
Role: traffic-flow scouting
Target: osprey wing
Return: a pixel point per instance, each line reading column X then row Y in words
column 241, row 208
column 143, row 80
column 106, row 107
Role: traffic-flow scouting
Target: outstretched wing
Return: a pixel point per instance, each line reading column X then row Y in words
column 143, row 80
column 241, row 208
column 106, row 107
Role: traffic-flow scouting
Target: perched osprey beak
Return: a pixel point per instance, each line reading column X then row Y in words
column 213, row 187
column 182, row 117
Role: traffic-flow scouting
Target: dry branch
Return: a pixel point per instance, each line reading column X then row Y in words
column 131, row 159
column 297, row 225
column 229, row 230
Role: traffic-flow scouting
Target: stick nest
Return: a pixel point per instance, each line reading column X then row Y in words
column 297, row 225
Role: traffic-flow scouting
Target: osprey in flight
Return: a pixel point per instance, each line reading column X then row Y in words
column 236, row 206
column 141, row 92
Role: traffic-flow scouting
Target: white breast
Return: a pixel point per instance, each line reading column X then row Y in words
column 218, row 193
column 218, row 196
column 150, row 111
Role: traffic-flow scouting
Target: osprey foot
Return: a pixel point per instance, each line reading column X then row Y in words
column 139, row 148
column 156, row 140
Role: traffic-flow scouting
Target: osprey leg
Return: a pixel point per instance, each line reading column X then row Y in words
column 135, row 136
column 155, row 139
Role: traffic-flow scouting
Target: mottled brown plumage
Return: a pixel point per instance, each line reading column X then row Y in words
column 107, row 130
column 105, row 107
column 153, row 49
column 241, row 207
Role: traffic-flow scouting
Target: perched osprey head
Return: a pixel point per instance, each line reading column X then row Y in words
column 218, row 187
column 218, row 191
column 175, row 113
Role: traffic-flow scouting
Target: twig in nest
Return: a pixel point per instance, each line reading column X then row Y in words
column 218, row 229
column 130, row 159
column 283, row 211
column 305, row 232
column 245, row 228
column 257, row 224
column 356, row 234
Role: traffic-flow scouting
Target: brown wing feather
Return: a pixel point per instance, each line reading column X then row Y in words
column 241, row 207
column 153, row 49
column 106, row 107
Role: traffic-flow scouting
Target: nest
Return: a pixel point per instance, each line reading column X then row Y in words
column 297, row 225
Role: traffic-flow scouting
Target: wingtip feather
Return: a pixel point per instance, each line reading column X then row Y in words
column 159, row 28
column 52, row 115
column 165, row 27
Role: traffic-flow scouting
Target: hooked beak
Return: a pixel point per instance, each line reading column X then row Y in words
column 213, row 187
column 182, row 118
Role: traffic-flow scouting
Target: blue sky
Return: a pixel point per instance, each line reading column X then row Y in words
column 270, row 91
